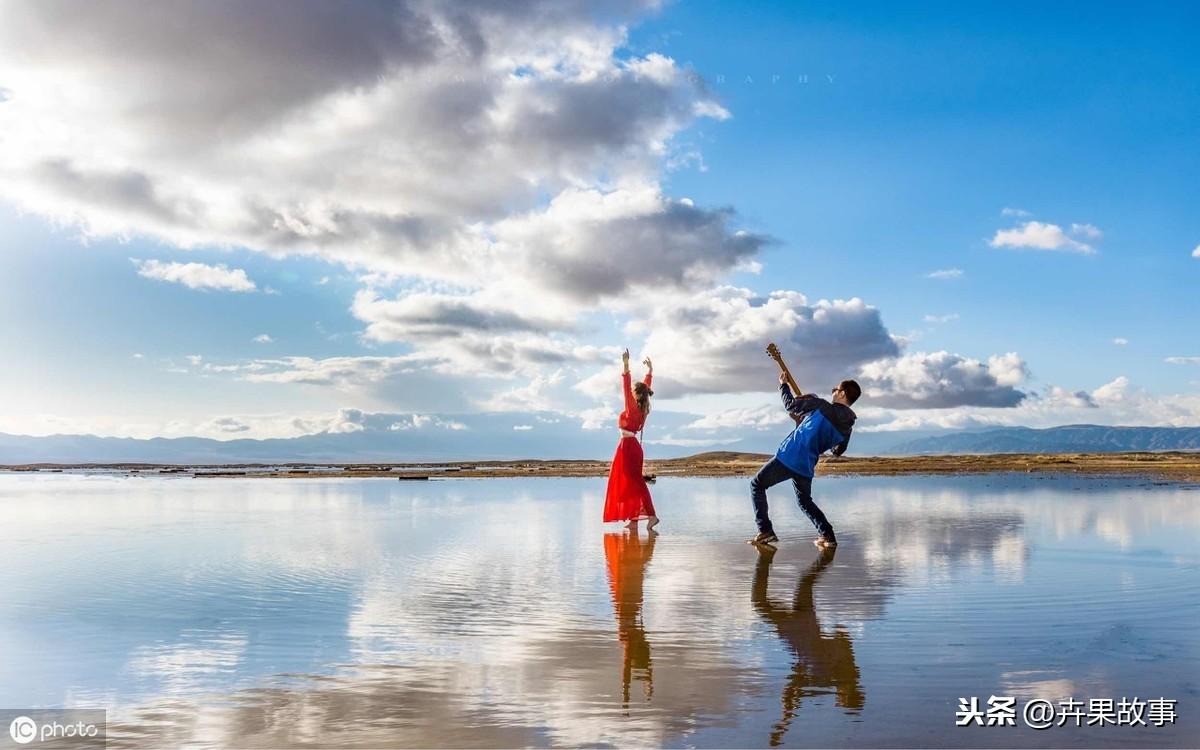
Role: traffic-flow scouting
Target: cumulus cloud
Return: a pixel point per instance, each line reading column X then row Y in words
column 945, row 273
column 763, row 417
column 941, row 380
column 589, row 245
column 1116, row 402
column 436, row 316
column 1036, row 235
column 415, row 138
column 1086, row 230
column 1196, row 252
column 714, row 341
column 1119, row 341
column 263, row 338
column 196, row 275
column 533, row 396
column 500, row 161
column 1112, row 391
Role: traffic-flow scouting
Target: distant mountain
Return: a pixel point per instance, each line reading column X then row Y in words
column 495, row 437
column 1076, row 438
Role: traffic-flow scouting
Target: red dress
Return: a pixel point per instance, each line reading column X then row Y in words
column 628, row 496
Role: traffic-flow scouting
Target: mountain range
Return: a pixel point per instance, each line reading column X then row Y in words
column 489, row 441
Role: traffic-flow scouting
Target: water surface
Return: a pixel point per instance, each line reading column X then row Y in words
column 368, row 612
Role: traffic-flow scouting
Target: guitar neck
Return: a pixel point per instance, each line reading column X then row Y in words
column 790, row 380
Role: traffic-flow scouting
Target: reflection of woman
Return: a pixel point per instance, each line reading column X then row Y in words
column 627, row 558
column 628, row 497
column 823, row 662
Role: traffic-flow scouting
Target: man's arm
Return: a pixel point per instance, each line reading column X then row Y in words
column 797, row 406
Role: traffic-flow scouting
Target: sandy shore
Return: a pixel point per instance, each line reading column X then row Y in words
column 1168, row 466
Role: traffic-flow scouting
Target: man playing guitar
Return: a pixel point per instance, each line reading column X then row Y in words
column 820, row 426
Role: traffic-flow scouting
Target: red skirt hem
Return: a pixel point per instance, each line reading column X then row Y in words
column 627, row 497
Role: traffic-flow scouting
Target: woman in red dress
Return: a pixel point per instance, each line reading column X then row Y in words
column 628, row 497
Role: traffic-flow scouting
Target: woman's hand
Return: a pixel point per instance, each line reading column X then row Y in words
column 648, row 364
column 625, row 360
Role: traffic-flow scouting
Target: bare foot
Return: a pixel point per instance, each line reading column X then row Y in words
column 632, row 525
column 650, row 524
column 825, row 542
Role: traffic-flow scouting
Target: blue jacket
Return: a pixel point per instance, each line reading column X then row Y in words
column 823, row 426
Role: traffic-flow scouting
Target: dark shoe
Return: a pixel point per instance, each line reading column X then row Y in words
column 825, row 541
column 764, row 537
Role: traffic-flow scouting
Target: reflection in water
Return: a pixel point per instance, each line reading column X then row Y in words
column 823, row 662
column 369, row 613
column 627, row 558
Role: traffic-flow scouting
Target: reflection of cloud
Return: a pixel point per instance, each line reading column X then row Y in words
column 925, row 546
column 479, row 613
column 1008, row 557
column 198, row 661
column 1114, row 529
column 1037, row 684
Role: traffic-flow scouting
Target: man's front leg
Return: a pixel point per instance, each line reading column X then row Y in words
column 803, row 487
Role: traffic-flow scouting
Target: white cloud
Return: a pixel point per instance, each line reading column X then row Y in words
column 1182, row 360
column 196, row 275
column 1087, row 230
column 263, row 338
column 1117, row 402
column 1036, row 235
column 942, row 380
column 1196, row 252
column 597, row 418
column 417, row 139
column 1118, row 341
column 714, row 341
column 498, row 162
column 422, row 421
column 1112, row 391
column 945, row 273
column 1018, row 212
column 764, row 417
column 330, row 371
column 941, row 318
column 522, row 427
column 530, row 397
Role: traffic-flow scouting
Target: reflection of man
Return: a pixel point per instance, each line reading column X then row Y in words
column 822, row 661
column 627, row 558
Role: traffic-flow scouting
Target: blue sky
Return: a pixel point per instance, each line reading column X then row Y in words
column 424, row 245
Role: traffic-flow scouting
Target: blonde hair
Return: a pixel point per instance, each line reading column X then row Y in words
column 642, row 394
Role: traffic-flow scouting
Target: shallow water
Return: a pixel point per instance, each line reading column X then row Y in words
column 368, row 612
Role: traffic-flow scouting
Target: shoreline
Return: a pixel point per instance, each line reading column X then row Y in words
column 1174, row 466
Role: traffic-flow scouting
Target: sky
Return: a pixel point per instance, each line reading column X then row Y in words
column 288, row 218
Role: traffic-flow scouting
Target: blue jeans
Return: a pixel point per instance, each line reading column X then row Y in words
column 772, row 473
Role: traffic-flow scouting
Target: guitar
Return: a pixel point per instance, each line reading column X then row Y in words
column 773, row 351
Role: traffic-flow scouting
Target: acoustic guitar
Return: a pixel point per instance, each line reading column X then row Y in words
column 773, row 351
